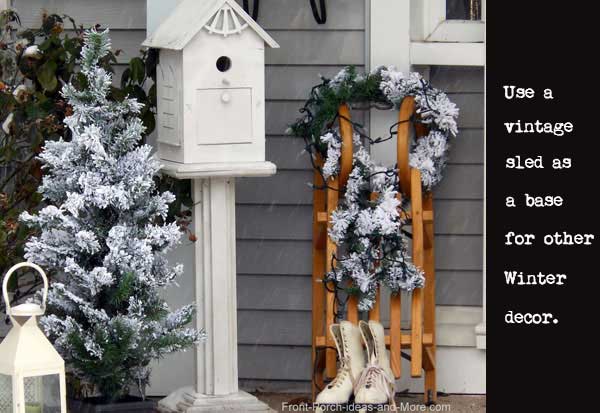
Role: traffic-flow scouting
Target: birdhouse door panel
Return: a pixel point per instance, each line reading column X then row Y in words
column 223, row 116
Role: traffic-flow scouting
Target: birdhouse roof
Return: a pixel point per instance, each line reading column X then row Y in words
column 191, row 16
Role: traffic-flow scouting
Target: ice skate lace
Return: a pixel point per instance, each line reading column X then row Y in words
column 375, row 376
column 344, row 371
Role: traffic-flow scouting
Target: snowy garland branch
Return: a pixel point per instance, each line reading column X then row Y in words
column 369, row 229
column 383, row 88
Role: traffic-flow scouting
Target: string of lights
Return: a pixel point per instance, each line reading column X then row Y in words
column 368, row 225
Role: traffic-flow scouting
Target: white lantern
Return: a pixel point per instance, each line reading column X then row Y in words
column 32, row 373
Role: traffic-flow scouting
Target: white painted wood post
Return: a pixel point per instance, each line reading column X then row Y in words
column 216, row 387
column 389, row 44
column 214, row 215
column 481, row 328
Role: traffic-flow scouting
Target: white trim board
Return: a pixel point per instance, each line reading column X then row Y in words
column 388, row 35
column 456, row 325
column 460, row 370
column 481, row 329
column 441, row 42
column 428, row 23
column 466, row 31
column 447, row 54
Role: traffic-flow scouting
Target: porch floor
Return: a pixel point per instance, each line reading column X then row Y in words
column 454, row 403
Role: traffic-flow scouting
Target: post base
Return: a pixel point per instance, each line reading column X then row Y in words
column 186, row 400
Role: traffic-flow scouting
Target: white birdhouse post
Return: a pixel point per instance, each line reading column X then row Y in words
column 32, row 373
column 211, row 129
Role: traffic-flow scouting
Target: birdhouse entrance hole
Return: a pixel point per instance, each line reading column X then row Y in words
column 223, row 63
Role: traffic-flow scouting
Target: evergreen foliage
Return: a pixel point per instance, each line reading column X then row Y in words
column 105, row 231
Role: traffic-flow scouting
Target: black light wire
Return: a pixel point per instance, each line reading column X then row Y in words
column 255, row 8
column 320, row 17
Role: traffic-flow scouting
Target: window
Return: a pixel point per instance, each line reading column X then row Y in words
column 463, row 9
column 448, row 21
column 447, row 32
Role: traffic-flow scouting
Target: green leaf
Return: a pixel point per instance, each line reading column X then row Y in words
column 124, row 289
column 149, row 121
column 125, row 77
column 46, row 75
column 138, row 93
column 151, row 63
column 50, row 22
column 80, row 81
column 34, row 111
column 45, row 45
column 136, row 66
column 117, row 94
column 152, row 95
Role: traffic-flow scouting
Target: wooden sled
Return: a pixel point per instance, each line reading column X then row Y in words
column 421, row 338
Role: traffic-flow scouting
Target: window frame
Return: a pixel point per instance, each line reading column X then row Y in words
column 436, row 40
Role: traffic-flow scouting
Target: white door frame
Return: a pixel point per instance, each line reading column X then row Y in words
column 391, row 40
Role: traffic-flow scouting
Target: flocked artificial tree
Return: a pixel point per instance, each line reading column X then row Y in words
column 104, row 232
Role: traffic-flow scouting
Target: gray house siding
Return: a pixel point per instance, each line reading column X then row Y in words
column 274, row 214
column 274, row 229
column 126, row 20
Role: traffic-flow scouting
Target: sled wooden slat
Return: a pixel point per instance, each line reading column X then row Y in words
column 407, row 109
column 428, row 360
column 347, row 147
column 421, row 338
column 318, row 296
column 416, row 200
column 352, row 310
column 429, row 299
column 405, row 341
column 345, row 169
column 322, row 216
column 396, row 334
column 427, row 216
column 332, row 201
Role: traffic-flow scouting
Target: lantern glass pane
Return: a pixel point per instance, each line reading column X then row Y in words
column 6, row 399
column 42, row 394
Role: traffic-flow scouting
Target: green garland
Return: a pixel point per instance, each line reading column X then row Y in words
column 370, row 230
column 321, row 108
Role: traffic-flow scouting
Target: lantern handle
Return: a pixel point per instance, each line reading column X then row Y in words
column 13, row 269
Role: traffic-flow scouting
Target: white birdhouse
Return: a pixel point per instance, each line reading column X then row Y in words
column 32, row 373
column 210, row 84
